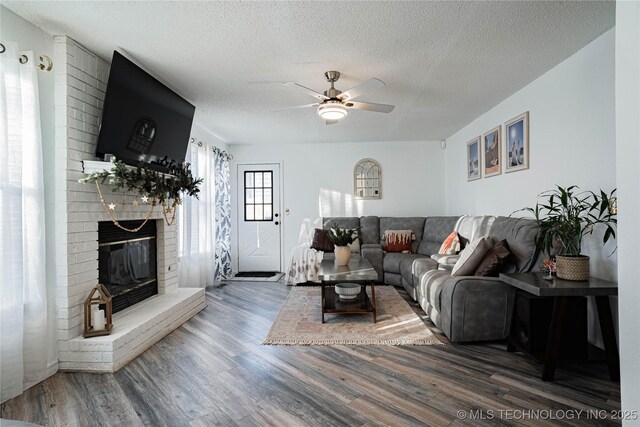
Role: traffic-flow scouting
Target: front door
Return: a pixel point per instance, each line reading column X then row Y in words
column 259, row 217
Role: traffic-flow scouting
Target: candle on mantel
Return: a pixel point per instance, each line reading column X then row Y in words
column 99, row 322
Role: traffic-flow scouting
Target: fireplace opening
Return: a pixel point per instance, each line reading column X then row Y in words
column 127, row 263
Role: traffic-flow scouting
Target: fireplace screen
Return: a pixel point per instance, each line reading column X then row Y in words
column 127, row 262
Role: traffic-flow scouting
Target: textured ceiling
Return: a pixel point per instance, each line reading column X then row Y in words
column 444, row 63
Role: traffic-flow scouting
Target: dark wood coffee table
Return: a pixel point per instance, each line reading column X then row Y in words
column 561, row 291
column 358, row 271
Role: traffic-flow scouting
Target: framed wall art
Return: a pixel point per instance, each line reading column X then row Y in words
column 491, row 146
column 473, row 159
column 517, row 145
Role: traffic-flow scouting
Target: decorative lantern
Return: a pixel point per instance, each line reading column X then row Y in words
column 97, row 312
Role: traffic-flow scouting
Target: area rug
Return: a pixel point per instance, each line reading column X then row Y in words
column 299, row 322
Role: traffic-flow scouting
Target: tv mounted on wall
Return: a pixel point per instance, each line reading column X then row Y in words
column 142, row 119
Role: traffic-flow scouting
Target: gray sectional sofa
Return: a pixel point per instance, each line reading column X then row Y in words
column 465, row 308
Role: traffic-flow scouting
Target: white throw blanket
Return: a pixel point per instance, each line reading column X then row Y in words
column 304, row 265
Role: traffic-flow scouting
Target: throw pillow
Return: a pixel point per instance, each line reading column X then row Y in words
column 398, row 240
column 470, row 257
column 493, row 260
column 451, row 244
column 321, row 241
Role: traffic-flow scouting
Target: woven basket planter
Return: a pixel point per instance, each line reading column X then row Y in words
column 572, row 267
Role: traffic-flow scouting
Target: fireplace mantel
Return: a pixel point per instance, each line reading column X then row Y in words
column 82, row 78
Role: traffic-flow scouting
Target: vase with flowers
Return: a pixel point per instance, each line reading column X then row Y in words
column 342, row 238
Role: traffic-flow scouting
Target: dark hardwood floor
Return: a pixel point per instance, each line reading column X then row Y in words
column 213, row 371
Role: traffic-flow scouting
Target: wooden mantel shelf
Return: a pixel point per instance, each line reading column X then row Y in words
column 91, row 166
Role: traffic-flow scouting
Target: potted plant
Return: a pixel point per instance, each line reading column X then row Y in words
column 341, row 238
column 565, row 216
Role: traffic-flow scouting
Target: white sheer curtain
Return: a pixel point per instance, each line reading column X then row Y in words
column 23, row 300
column 197, row 223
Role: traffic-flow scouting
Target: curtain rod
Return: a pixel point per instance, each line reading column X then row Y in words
column 213, row 147
column 46, row 65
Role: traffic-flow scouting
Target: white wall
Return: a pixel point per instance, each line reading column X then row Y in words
column 318, row 180
column 201, row 133
column 29, row 37
column 572, row 133
column 628, row 178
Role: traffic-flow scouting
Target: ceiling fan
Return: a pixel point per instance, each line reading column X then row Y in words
column 334, row 104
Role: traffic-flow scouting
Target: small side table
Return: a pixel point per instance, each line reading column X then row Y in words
column 561, row 290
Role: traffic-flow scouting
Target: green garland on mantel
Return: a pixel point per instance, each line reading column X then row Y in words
column 159, row 187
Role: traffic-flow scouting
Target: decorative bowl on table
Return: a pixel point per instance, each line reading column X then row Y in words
column 348, row 291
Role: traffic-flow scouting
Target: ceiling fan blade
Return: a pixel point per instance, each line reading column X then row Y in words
column 370, row 106
column 306, row 90
column 368, row 86
column 297, row 107
column 330, row 122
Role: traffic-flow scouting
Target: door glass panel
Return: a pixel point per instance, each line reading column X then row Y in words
column 258, row 187
column 249, row 212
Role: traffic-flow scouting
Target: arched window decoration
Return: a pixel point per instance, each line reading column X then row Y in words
column 367, row 179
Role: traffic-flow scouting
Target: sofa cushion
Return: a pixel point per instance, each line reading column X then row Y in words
column 428, row 247
column 451, row 244
column 406, row 268
column 394, row 279
column 370, row 229
column 415, row 224
column 493, row 260
column 436, row 229
column 321, row 241
column 392, row 260
column 470, row 257
column 520, row 234
column 398, row 240
column 421, row 266
column 430, row 288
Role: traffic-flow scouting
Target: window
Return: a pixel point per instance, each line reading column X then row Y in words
column 258, row 196
column 367, row 179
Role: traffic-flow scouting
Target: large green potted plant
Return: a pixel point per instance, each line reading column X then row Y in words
column 565, row 216
column 342, row 238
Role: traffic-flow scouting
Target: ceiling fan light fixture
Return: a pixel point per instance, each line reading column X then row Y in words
column 332, row 111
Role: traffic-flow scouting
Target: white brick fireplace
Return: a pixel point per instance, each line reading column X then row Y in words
column 81, row 79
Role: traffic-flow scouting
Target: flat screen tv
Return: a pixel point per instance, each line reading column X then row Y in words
column 142, row 119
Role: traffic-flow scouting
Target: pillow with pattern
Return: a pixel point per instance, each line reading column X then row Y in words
column 398, row 241
column 451, row 244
